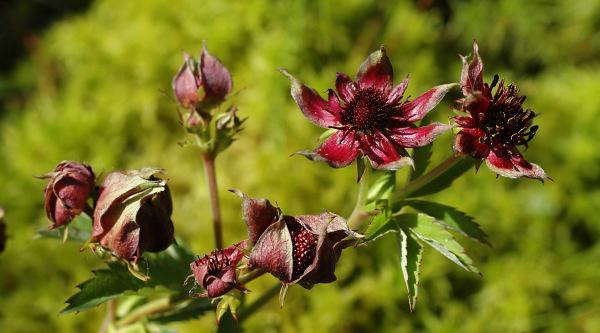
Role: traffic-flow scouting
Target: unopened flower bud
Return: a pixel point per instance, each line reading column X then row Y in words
column 201, row 84
column 133, row 213
column 71, row 184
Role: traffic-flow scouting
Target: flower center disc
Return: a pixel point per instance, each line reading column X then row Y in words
column 368, row 110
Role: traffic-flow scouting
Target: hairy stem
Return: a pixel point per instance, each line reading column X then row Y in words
column 429, row 177
column 211, row 178
column 253, row 274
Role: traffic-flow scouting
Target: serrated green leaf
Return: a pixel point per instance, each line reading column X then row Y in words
column 80, row 230
column 435, row 234
column 105, row 285
column 383, row 187
column 453, row 218
column 380, row 225
column 445, row 179
column 168, row 268
column 411, row 253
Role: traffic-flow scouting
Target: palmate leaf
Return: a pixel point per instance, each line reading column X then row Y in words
column 383, row 187
column 435, row 234
column 411, row 253
column 168, row 268
column 451, row 217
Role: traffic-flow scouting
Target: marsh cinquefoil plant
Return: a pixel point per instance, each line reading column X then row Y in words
column 126, row 219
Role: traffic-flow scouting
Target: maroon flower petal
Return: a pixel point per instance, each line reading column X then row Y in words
column 258, row 214
column 185, row 85
column 469, row 141
column 339, row 150
column 273, row 251
column 345, row 87
column 216, row 79
column 513, row 165
column 376, row 71
column 411, row 137
column 382, row 154
column 471, row 77
column 420, row 106
column 315, row 108
column 398, row 91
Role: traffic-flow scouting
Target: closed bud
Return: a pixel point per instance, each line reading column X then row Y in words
column 133, row 213
column 202, row 84
column 71, row 184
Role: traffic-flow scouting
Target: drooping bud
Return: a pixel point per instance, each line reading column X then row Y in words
column 2, row 231
column 296, row 249
column 133, row 213
column 202, row 84
column 215, row 272
column 71, row 184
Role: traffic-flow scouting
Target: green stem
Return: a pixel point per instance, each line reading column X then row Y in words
column 211, row 178
column 253, row 274
column 429, row 177
column 358, row 215
column 111, row 308
column 155, row 306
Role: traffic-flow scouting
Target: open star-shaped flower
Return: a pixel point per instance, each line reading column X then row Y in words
column 495, row 124
column 370, row 116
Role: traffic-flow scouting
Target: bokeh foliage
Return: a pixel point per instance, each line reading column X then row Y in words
column 97, row 89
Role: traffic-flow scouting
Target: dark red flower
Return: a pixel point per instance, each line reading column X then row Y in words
column 71, row 184
column 215, row 273
column 133, row 213
column 296, row 249
column 204, row 82
column 496, row 123
column 370, row 117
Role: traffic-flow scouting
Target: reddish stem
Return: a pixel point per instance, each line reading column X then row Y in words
column 211, row 178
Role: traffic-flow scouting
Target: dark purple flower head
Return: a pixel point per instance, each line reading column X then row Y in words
column 215, row 272
column 71, row 184
column 206, row 82
column 133, row 213
column 296, row 249
column 2, row 231
column 370, row 116
column 496, row 123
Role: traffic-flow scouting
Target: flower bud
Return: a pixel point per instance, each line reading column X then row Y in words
column 133, row 213
column 2, row 231
column 215, row 273
column 201, row 84
column 71, row 184
column 296, row 249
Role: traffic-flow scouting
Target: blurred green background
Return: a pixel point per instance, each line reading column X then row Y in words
column 94, row 86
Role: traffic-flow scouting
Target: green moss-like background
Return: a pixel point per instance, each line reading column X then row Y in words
column 96, row 87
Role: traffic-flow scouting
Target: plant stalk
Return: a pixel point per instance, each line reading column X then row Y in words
column 211, row 178
column 358, row 215
column 427, row 178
